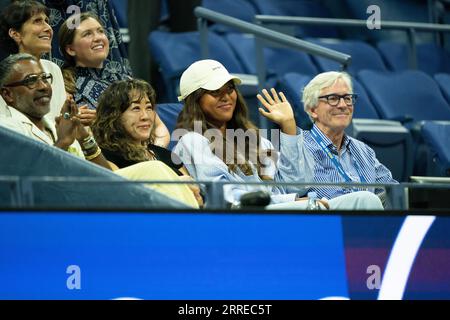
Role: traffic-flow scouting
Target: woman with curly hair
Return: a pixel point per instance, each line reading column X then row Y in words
column 124, row 130
column 125, row 125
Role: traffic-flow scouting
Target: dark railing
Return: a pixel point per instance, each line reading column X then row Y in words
column 22, row 189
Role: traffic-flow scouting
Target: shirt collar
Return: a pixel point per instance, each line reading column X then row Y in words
column 345, row 141
column 19, row 116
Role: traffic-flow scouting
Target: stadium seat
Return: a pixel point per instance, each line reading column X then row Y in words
column 409, row 95
column 278, row 60
column 121, row 10
column 292, row 84
column 25, row 158
column 168, row 112
column 174, row 52
column 431, row 58
column 240, row 9
column 304, row 8
column 363, row 107
column 443, row 79
column 392, row 10
column 437, row 135
column 390, row 140
column 364, row 56
column 413, row 98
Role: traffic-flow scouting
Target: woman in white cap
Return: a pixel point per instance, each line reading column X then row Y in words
column 220, row 143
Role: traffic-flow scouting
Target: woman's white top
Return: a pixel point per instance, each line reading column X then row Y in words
column 195, row 152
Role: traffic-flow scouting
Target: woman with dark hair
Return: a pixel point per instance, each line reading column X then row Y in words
column 85, row 47
column 221, row 144
column 124, row 128
column 24, row 28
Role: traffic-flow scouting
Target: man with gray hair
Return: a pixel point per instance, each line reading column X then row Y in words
column 329, row 100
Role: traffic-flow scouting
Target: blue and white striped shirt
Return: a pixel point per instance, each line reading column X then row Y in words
column 357, row 159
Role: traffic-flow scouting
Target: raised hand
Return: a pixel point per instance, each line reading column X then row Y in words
column 278, row 110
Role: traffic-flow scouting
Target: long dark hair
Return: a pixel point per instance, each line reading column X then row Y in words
column 108, row 129
column 13, row 17
column 231, row 155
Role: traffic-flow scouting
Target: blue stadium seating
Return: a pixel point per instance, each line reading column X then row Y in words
column 174, row 52
column 304, row 8
column 292, row 84
column 443, row 79
column 392, row 10
column 364, row 56
column 120, row 9
column 408, row 95
column 430, row 57
column 278, row 60
column 364, row 108
column 391, row 142
column 411, row 97
column 240, row 9
column 168, row 112
column 437, row 136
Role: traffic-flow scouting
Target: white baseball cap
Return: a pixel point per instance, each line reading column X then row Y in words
column 206, row 74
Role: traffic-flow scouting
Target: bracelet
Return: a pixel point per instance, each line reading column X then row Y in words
column 88, row 143
column 94, row 155
column 91, row 150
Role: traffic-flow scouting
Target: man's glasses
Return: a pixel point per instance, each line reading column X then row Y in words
column 227, row 89
column 31, row 81
column 334, row 99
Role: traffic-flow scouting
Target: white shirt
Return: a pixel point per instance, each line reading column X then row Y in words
column 195, row 152
column 58, row 91
column 20, row 123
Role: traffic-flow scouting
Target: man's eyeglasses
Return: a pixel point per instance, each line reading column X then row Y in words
column 227, row 89
column 31, row 81
column 334, row 99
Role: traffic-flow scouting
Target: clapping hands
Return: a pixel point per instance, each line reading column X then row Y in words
column 69, row 126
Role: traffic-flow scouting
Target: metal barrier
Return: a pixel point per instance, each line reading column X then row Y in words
column 22, row 189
